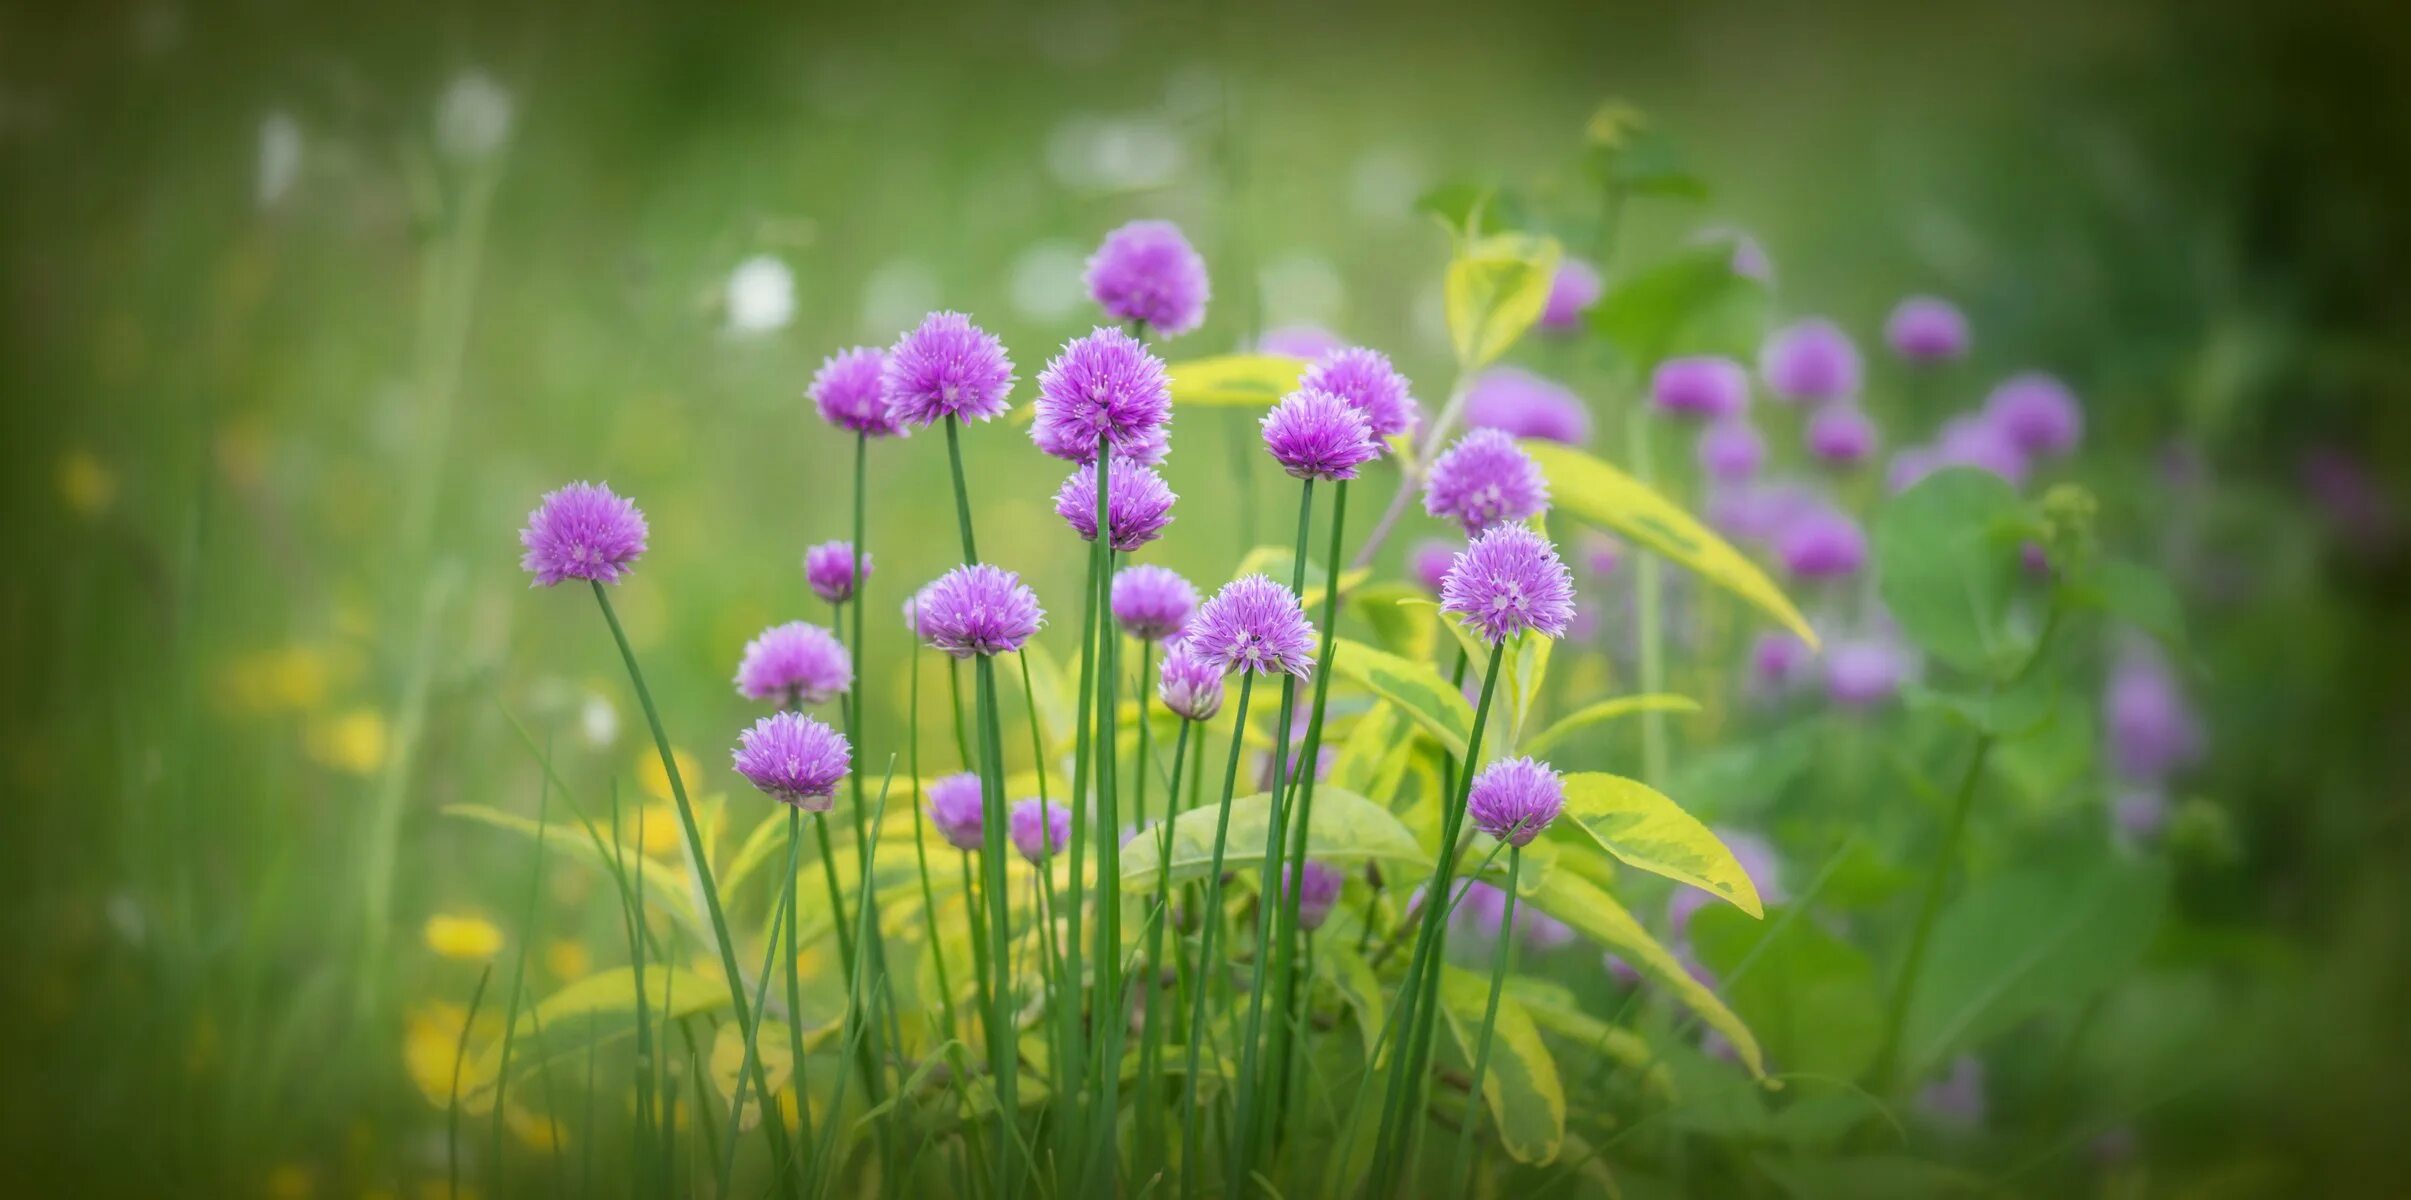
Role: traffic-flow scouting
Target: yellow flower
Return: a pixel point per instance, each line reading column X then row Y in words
column 533, row 1131
column 87, row 485
column 470, row 938
column 353, row 741
column 656, row 784
column 292, row 1181
column 658, row 831
column 284, row 679
column 431, row 1045
column 568, row 960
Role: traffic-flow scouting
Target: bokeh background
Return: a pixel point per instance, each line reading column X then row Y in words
column 301, row 306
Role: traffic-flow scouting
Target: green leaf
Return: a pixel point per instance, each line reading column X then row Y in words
column 1345, row 827
column 1526, row 1099
column 2136, row 595
column 1596, row 493
column 1874, row 1177
column 1632, row 821
column 1574, row 900
column 1554, row 1009
column 1352, row 977
column 2024, row 943
column 1693, row 303
column 1605, row 710
column 1946, row 564
column 591, row 1004
column 1810, row 995
column 1417, row 690
column 1235, row 380
column 1399, row 628
column 1496, row 288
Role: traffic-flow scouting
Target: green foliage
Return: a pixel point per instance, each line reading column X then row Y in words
column 1692, row 303
column 1810, row 997
column 1497, row 285
column 1526, row 1099
column 1946, row 560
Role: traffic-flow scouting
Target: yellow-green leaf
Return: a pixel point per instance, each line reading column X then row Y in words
column 1236, row 380
column 1352, row 977
column 1345, row 827
column 1497, row 286
column 1605, row 710
column 1636, row 823
column 1595, row 492
column 1574, row 900
column 665, row 885
column 1553, row 1008
column 669, row 992
column 1527, row 1101
column 771, row 1048
column 1414, row 687
column 1280, row 563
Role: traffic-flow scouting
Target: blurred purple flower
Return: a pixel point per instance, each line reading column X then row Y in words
column 1104, row 388
column 1700, row 386
column 1779, row 660
column 1601, row 552
column 1137, row 504
column 1483, row 481
column 955, row 808
column 1146, row 272
column 1151, row 602
column 1840, row 434
column 1821, row 543
column 1509, row 580
column 1255, row 625
column 2035, row 413
column 1865, row 672
column 581, row 531
column 2152, row 731
column 794, row 759
column 1979, row 442
column 947, row 367
column 1431, row 561
column 1370, row 385
column 795, row 664
column 979, row 610
column 829, row 569
column 1316, row 435
column 1810, row 360
column 1522, row 404
column 1926, row 329
column 1040, row 829
column 1731, row 450
column 1571, row 294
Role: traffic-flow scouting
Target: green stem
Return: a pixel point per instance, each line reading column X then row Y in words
column 1108, row 1020
column 795, row 1001
column 873, row 950
column 1003, row 1054
column 1904, row 988
column 1309, row 757
column 1151, row 1036
column 962, row 493
column 1502, row 962
column 1190, row 1130
column 460, row 1054
column 761, row 991
column 775, row 1131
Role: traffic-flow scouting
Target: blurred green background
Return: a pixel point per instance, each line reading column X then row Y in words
column 285, row 368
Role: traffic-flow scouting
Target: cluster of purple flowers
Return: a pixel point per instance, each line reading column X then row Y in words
column 2027, row 419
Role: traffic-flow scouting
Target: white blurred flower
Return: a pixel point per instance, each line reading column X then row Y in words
column 598, row 721
column 1047, row 281
column 1302, row 289
column 280, row 158
column 897, row 295
column 473, row 119
column 1114, row 153
column 761, row 295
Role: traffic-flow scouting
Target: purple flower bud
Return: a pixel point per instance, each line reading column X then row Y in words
column 2036, row 413
column 979, row 610
column 1865, row 673
column 1190, row 683
column 1510, row 580
column 1926, row 329
column 829, row 569
column 1300, row 341
column 1370, row 385
column 1821, row 544
column 948, row 367
column 1810, row 360
column 1731, row 450
column 1040, row 829
column 794, row 759
column 1146, row 272
column 1316, row 435
column 1750, row 260
column 849, row 395
column 1514, row 799
column 1524, row 405
column 1778, row 659
column 581, row 531
column 1318, row 885
column 2152, row 731
column 955, row 808
column 1700, row 386
column 1483, row 481
column 1571, row 294
column 1137, row 504
column 1431, row 561
column 1840, row 434
column 1256, row 625
column 1151, row 602
column 794, row 664
column 1105, row 387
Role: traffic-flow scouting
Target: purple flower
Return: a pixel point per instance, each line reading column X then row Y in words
column 1040, row 829
column 1601, row 552
column 794, row 664
column 1926, row 329
column 1864, row 673
column 948, row 367
column 1137, row 504
column 1365, row 379
column 979, row 610
column 2152, row 731
column 1759, row 511
column 1514, row 799
column 1318, row 885
column 1481, row 909
column 1152, row 602
column 582, row 531
column 1821, row 544
column 1104, row 387
column 2035, row 413
column 794, row 759
column 1840, row 434
column 1523, row 404
column 1810, row 360
column 1308, row 342
column 1146, row 272
column 1316, row 435
column 1982, row 443
column 1256, row 625
column 1432, row 558
column 1957, row 1099
column 1778, row 658
column 1757, row 859
column 1700, row 386
column 1485, row 480
column 829, row 568
column 955, row 808
column 1731, row 450
column 1571, row 294
column 1509, row 580
column 1190, row 683
column 849, row 395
